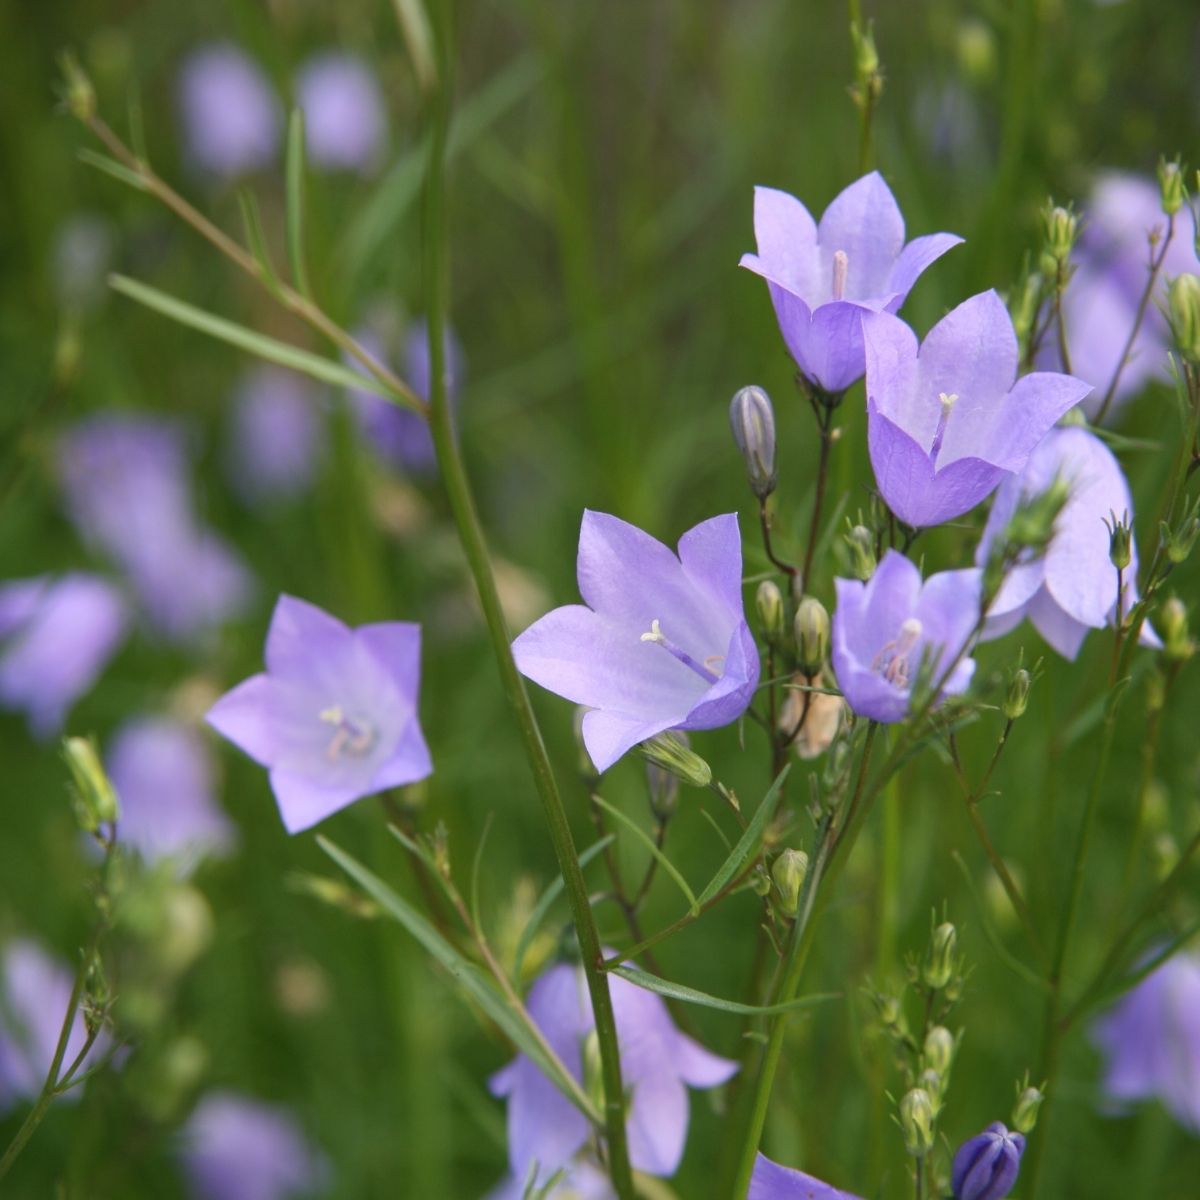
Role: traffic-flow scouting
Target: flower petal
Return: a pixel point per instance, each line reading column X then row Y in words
column 1063, row 632
column 607, row 736
column 304, row 801
column 770, row 1181
column 243, row 716
column 711, row 555
column 919, row 254
column 698, row 1066
column 786, row 236
column 972, row 353
column 408, row 763
column 864, row 222
column 657, row 1123
column 300, row 635
column 396, row 645
column 826, row 341
column 890, row 353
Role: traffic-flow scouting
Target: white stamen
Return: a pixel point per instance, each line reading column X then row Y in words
column 355, row 738
column 841, row 264
column 892, row 662
column 655, row 634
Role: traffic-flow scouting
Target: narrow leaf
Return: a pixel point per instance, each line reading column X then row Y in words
column 295, row 202
column 256, row 238
column 647, row 841
column 677, row 991
column 418, row 37
column 110, row 166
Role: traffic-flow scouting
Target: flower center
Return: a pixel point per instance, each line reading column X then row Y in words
column 841, row 264
column 657, row 636
column 351, row 738
column 892, row 662
column 947, row 402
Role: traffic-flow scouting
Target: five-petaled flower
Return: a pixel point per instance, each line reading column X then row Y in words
column 823, row 277
column 662, row 642
column 334, row 716
column 886, row 630
column 947, row 422
column 770, row 1181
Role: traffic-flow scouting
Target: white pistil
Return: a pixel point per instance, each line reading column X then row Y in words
column 947, row 402
column 841, row 264
column 892, row 662
column 353, row 738
column 657, row 636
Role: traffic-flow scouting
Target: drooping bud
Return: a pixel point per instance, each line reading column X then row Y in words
column 663, row 785
column 1059, row 228
column 941, row 957
column 1025, row 1111
column 93, row 794
column 917, row 1120
column 1183, row 298
column 986, row 1166
column 1177, row 639
column 811, row 627
column 769, row 602
column 1170, row 182
column 789, row 871
column 939, row 1048
column 1017, row 696
column 862, row 552
column 671, row 753
column 753, row 421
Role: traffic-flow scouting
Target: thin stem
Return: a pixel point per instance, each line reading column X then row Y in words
column 764, row 521
column 824, row 413
column 471, row 536
column 1060, row 286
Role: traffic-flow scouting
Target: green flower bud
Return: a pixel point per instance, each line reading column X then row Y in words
column 1018, row 694
column 760, row 882
column 1170, row 182
column 976, row 50
column 1177, row 639
column 78, row 91
column 941, row 957
column 753, row 421
column 811, row 628
column 1179, row 541
column 788, row 872
column 1120, row 541
column 1059, row 228
column 94, row 796
column 862, row 552
column 1183, row 302
column 593, row 1072
column 866, row 57
column 670, row 752
column 938, row 1052
column 664, row 785
column 769, row 602
column 917, row 1120
column 930, row 1081
column 1025, row 1111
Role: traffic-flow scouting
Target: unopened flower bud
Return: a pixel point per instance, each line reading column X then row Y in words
column 917, row 1119
column 79, row 93
column 1178, row 542
column 760, row 882
column 938, row 1052
column 941, row 957
column 1177, row 639
column 866, row 57
column 1170, row 182
column 663, row 786
column 670, row 752
column 1018, row 694
column 593, row 1072
column 976, row 46
column 811, row 627
column 1059, row 227
column 1120, row 541
column 862, row 552
column 753, row 422
column 934, row 1084
column 986, row 1166
column 94, row 795
column 788, row 872
column 769, row 601
column 1183, row 297
column 1025, row 1111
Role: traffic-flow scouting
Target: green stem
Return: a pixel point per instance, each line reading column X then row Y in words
column 470, row 532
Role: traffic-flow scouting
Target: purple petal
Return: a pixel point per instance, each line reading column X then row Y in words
column 919, row 254
column 303, row 801
column 864, row 222
column 657, row 1124
column 344, row 123
column 607, row 736
column 1063, row 632
column 787, row 242
column 732, row 694
column 972, row 353
column 770, row 1181
column 711, row 555
column 396, row 646
column 242, row 716
column 409, row 762
column 300, row 633
column 827, row 343
column 699, row 1067
column 890, row 349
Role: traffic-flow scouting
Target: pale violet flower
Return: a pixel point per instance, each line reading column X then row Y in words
column 771, row 1181
column 344, row 123
column 661, row 641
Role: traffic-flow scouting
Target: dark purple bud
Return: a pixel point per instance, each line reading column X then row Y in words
column 986, row 1166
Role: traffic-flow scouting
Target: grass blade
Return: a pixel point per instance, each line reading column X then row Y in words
column 647, row 841
column 296, row 163
column 687, row 995
column 110, row 166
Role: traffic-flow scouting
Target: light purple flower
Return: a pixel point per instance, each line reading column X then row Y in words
column 162, row 771
column 986, row 1166
column 1151, row 1041
column 230, row 114
column 662, row 642
column 275, row 438
column 823, row 277
column 582, row 1180
column 236, row 1148
column 56, row 637
column 946, row 423
column 343, row 112
column 770, row 1181
column 657, row 1063
column 35, row 992
column 1073, row 586
column 883, row 629
column 334, row 716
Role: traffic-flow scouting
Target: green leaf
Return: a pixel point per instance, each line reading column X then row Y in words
column 324, row 369
column 256, row 238
column 677, row 991
column 647, row 841
column 295, row 202
column 418, row 37
column 749, row 840
column 464, row 973
column 110, row 166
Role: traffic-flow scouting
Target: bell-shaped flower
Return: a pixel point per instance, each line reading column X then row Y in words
column 344, row 124
column 891, row 628
column 661, row 641
column 334, row 716
column 56, row 637
column 986, row 1166
column 1150, row 1040
column 236, row 1148
column 1072, row 586
column 770, row 1181
column 162, row 771
column 823, row 277
column 658, row 1063
column 948, row 421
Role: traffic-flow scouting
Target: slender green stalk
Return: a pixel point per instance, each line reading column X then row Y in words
column 474, row 546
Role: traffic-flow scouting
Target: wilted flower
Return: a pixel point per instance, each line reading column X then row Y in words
column 236, row 1148
column 948, row 422
column 662, row 642
column 275, row 438
column 162, row 771
column 1072, row 587
column 1151, row 1041
column 886, row 629
column 334, row 716
column 657, row 1063
column 986, row 1166
column 56, row 636
column 230, row 114
column 770, row 1181
column 343, row 112
column 823, row 277
column 35, row 992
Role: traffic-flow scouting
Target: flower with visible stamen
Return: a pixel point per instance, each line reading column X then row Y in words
column 334, row 716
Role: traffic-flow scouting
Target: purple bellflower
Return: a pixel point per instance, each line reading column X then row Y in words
column 770, row 1181
column 334, row 716
column 162, row 771
column 1151, row 1042
column 56, row 637
column 35, row 992
column 230, row 114
column 884, row 629
column 275, row 438
column 661, row 641
column 235, row 1148
column 948, row 421
column 985, row 1166
column 582, row 1180
column 658, row 1063
column 1072, row 587
column 343, row 113
column 823, row 277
